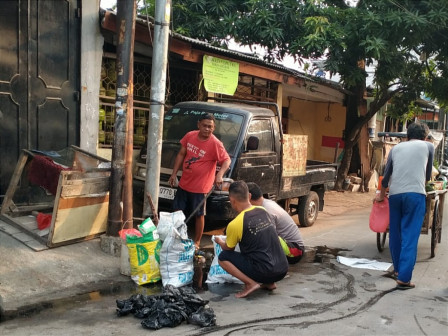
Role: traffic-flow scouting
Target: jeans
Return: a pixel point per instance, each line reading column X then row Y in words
column 407, row 212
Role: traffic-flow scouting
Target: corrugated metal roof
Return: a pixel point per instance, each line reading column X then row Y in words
column 245, row 57
column 254, row 59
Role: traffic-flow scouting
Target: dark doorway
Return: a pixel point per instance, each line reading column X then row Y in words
column 39, row 78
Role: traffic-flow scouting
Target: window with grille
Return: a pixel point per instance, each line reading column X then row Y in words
column 182, row 85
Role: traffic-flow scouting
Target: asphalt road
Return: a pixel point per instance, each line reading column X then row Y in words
column 319, row 297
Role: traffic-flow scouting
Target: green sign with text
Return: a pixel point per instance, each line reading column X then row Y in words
column 220, row 75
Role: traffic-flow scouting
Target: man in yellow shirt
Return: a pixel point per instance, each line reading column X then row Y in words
column 261, row 261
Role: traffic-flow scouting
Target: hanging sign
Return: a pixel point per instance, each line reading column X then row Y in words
column 220, row 75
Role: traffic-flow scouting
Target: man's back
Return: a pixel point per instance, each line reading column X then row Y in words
column 254, row 231
column 284, row 224
column 409, row 166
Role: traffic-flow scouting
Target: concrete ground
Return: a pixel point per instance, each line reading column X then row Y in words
column 30, row 280
column 319, row 296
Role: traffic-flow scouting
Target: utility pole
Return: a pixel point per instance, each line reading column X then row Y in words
column 157, row 103
column 121, row 170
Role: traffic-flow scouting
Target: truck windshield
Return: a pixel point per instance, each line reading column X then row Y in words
column 179, row 121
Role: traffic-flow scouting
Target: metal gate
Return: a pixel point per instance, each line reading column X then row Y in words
column 39, row 78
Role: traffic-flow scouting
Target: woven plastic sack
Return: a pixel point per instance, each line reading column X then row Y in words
column 216, row 273
column 169, row 220
column 144, row 258
column 176, row 258
column 379, row 216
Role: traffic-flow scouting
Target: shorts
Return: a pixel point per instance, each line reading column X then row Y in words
column 295, row 253
column 245, row 265
column 188, row 202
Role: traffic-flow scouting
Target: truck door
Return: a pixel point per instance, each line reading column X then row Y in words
column 261, row 165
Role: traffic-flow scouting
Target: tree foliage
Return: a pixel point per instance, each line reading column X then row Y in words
column 405, row 40
column 390, row 34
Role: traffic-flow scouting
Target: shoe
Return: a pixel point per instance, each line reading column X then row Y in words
column 404, row 285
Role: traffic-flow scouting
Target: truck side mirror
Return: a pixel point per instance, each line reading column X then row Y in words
column 252, row 143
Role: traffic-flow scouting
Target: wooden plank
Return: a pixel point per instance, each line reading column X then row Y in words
column 22, row 228
column 28, row 222
column 86, row 180
column 36, row 245
column 294, row 155
column 85, row 189
column 62, row 179
column 77, row 202
column 14, row 182
column 79, row 175
column 9, row 229
column 33, row 207
column 83, row 162
column 23, row 237
column 94, row 156
column 77, row 240
column 78, row 223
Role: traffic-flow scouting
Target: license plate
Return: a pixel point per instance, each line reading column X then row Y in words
column 167, row 193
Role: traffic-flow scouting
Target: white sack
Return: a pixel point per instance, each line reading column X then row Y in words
column 217, row 274
column 176, row 258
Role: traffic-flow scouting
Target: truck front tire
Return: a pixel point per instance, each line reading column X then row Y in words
column 308, row 209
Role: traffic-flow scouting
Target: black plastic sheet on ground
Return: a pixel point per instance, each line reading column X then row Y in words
column 168, row 309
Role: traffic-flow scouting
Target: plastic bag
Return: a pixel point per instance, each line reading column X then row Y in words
column 128, row 232
column 43, row 220
column 216, row 273
column 204, row 317
column 125, row 264
column 379, row 216
column 169, row 309
column 147, row 228
column 176, row 258
column 168, row 220
column 144, row 259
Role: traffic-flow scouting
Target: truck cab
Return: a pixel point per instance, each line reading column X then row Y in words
column 252, row 137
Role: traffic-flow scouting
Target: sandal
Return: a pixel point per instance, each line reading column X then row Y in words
column 391, row 274
column 404, row 285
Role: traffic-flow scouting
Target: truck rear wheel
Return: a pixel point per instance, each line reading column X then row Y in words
column 308, row 209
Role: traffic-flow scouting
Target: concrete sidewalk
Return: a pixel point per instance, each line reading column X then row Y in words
column 31, row 281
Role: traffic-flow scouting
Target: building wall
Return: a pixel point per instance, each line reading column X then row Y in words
column 322, row 122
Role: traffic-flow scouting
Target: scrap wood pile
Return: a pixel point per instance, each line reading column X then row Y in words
column 168, row 309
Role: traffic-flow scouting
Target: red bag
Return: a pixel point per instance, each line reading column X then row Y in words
column 43, row 220
column 379, row 216
column 131, row 232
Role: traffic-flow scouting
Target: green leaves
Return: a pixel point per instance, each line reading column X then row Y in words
column 374, row 47
column 387, row 34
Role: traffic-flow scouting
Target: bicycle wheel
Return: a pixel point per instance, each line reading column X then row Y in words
column 436, row 230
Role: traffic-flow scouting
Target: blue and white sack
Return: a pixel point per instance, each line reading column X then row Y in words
column 217, row 274
column 176, row 258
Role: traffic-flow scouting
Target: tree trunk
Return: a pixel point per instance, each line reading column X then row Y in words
column 352, row 134
column 350, row 139
column 345, row 164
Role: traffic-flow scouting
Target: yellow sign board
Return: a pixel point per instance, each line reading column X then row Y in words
column 220, row 75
